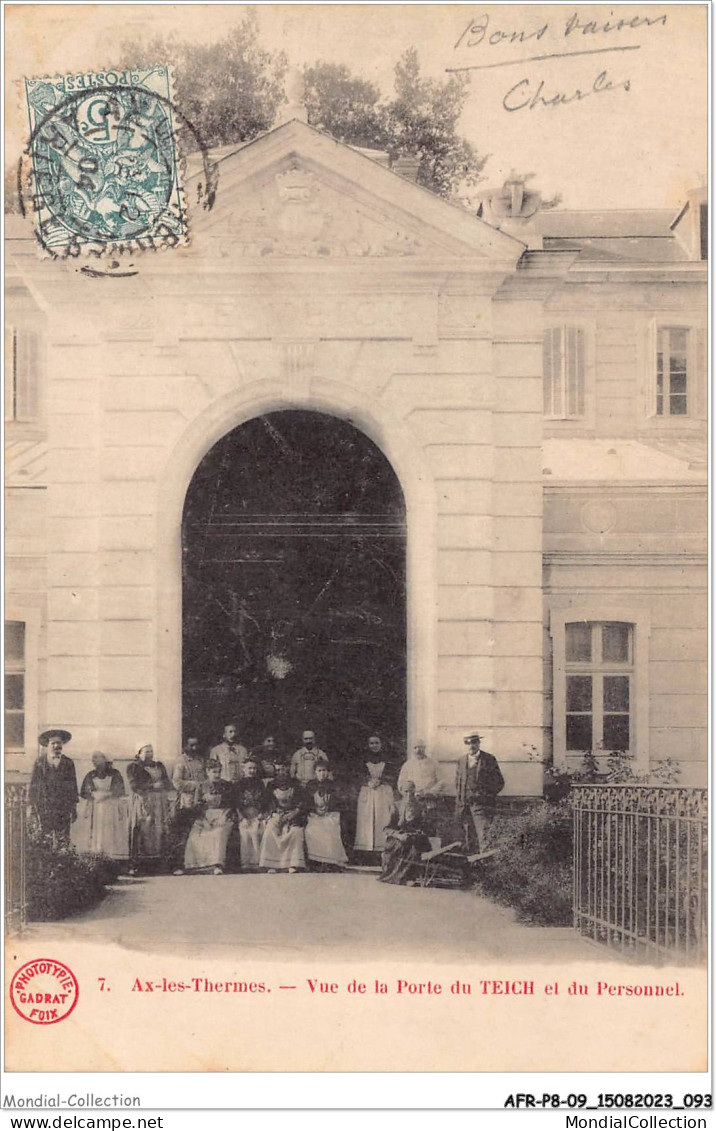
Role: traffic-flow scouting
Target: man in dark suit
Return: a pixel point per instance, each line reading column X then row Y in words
column 53, row 786
column 478, row 782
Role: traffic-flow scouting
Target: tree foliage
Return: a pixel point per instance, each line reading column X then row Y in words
column 419, row 120
column 346, row 107
column 229, row 90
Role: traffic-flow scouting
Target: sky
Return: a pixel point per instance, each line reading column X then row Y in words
column 616, row 117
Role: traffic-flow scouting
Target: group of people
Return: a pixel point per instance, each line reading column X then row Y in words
column 257, row 810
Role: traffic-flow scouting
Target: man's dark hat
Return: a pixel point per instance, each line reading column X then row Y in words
column 47, row 736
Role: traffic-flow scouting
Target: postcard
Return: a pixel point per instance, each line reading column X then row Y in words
column 356, row 541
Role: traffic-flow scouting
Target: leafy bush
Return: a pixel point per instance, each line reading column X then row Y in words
column 61, row 882
column 533, row 872
column 613, row 767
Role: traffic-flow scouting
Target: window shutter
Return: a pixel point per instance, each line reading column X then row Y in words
column 553, row 372
column 26, row 374
column 564, row 372
column 698, row 374
column 574, row 370
column 547, row 370
column 10, row 363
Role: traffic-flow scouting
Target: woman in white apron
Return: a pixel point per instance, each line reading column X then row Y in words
column 282, row 847
column 376, row 802
column 209, row 836
column 102, row 825
column 324, row 844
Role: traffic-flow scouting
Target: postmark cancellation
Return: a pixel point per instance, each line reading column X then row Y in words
column 102, row 171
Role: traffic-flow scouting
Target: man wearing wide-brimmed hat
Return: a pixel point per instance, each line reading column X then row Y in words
column 477, row 784
column 53, row 785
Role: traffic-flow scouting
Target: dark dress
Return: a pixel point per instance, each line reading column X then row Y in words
column 53, row 795
column 149, row 812
column 253, row 803
column 283, row 842
column 267, row 760
column 251, row 798
column 406, row 840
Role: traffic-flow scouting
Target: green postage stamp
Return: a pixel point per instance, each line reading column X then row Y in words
column 103, row 174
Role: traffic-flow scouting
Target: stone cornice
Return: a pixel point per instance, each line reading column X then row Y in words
column 627, row 487
column 539, row 274
column 624, row 558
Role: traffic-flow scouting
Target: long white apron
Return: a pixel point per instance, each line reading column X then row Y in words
column 323, row 839
column 374, row 810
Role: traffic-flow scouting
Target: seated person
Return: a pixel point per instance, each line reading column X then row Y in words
column 209, row 835
column 282, row 846
column 253, row 803
column 406, row 839
column 324, row 805
column 281, row 769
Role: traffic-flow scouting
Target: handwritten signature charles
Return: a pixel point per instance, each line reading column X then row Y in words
column 528, row 95
column 557, row 39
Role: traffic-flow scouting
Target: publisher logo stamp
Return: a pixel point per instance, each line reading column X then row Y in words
column 44, row 991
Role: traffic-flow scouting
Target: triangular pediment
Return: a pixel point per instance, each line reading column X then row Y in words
column 296, row 193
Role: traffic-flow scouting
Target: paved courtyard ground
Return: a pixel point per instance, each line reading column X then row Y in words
column 329, row 915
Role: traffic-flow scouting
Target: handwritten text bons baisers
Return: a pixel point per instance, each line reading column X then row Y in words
column 485, row 43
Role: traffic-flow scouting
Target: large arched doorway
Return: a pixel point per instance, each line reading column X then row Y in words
column 293, row 610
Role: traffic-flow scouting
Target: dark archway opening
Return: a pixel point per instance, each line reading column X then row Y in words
column 294, row 610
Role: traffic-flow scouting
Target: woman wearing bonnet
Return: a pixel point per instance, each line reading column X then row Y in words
column 149, row 809
column 102, row 825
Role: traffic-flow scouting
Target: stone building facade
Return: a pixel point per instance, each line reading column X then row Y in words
column 538, row 387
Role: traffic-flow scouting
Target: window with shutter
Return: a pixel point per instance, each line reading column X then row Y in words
column 563, row 355
column 22, row 354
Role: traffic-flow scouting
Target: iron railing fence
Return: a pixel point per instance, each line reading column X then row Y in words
column 640, row 869
column 16, row 796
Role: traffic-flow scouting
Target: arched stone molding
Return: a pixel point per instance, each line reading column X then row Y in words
column 400, row 446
